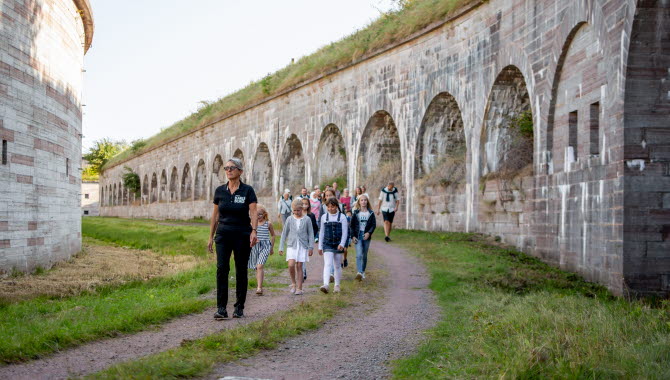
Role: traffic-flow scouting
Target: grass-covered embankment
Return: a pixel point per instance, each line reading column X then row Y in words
column 46, row 324
column 508, row 315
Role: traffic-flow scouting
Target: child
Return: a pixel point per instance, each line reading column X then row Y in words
column 308, row 211
column 363, row 224
column 263, row 249
column 332, row 237
column 299, row 238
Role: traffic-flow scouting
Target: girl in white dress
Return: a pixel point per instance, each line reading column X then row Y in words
column 298, row 236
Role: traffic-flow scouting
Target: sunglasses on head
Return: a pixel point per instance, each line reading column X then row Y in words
column 229, row 168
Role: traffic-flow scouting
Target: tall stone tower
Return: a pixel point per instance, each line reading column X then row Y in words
column 42, row 47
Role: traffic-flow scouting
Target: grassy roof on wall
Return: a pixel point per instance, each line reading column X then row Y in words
column 385, row 31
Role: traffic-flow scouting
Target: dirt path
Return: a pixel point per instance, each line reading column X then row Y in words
column 99, row 355
column 359, row 342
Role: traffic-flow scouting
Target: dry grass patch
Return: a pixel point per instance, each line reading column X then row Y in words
column 97, row 265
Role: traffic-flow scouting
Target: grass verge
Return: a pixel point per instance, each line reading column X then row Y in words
column 508, row 315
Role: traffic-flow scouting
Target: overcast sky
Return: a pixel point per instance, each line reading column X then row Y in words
column 153, row 61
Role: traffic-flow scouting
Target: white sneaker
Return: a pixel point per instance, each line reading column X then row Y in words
column 298, row 292
column 359, row 276
column 363, row 274
column 292, row 288
column 324, row 289
column 337, row 289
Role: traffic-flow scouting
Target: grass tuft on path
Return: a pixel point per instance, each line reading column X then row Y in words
column 508, row 315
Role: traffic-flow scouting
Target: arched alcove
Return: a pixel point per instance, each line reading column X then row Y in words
column 218, row 176
column 125, row 196
column 114, row 195
column 239, row 154
column 200, row 181
column 379, row 159
column 292, row 175
column 154, row 189
column 331, row 155
column 174, row 181
column 505, row 155
column 145, row 189
column 162, row 194
column 572, row 125
column 262, row 171
column 440, row 166
column 119, row 197
column 186, row 184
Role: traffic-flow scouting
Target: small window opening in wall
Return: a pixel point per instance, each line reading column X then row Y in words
column 4, row 152
column 594, row 129
column 67, row 166
column 85, row 196
column 85, row 212
column 572, row 132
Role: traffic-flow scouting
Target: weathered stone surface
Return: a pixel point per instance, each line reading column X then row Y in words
column 42, row 44
column 592, row 73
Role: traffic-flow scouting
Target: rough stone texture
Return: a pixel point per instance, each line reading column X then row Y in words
column 593, row 74
column 42, row 46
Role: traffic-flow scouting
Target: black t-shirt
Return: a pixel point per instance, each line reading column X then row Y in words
column 234, row 208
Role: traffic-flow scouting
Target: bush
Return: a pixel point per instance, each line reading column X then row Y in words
column 131, row 181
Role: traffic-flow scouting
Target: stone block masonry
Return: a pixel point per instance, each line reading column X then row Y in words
column 42, row 46
column 542, row 122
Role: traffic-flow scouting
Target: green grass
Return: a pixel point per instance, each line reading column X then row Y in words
column 40, row 326
column 389, row 29
column 508, row 315
column 148, row 234
column 33, row 328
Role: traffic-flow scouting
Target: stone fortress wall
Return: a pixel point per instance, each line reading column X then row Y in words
column 442, row 113
column 42, row 46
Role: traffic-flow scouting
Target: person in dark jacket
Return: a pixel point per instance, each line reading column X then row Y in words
column 363, row 224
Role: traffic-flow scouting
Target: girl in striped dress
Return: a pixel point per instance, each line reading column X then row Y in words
column 263, row 249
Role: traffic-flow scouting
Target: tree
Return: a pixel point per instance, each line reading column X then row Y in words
column 100, row 153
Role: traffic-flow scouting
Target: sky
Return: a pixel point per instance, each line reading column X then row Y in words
column 153, row 61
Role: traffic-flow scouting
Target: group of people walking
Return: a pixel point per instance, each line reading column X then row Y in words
column 332, row 219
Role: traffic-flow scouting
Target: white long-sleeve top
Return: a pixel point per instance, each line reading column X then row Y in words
column 333, row 218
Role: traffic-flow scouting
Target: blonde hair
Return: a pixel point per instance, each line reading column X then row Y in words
column 357, row 204
column 296, row 203
column 261, row 209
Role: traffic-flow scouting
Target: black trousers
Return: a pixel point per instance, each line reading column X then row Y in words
column 226, row 243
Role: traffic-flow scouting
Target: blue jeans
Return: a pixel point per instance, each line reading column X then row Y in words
column 362, row 247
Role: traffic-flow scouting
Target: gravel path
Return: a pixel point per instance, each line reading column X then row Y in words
column 101, row 354
column 359, row 342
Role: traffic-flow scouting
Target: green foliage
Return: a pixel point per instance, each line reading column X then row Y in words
column 391, row 27
column 137, row 145
column 131, row 181
column 508, row 315
column 101, row 152
column 524, row 124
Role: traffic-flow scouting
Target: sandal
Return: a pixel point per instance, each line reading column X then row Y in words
column 292, row 288
column 259, row 292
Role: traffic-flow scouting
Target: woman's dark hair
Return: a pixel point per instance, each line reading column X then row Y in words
column 332, row 201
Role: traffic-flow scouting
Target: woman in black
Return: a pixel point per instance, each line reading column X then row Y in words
column 234, row 219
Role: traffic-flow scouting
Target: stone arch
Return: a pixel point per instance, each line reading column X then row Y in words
column 125, row 196
column 239, row 154
column 261, row 176
column 217, row 176
column 331, row 155
column 292, row 174
column 114, row 195
column 441, row 155
column 174, row 181
column 200, row 181
column 102, row 196
column 505, row 155
column 145, row 189
column 154, row 189
column 380, row 158
column 110, row 201
column 575, row 94
column 186, row 184
column 162, row 193
column 119, row 197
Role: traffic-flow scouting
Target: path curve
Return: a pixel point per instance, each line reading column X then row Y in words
column 358, row 342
